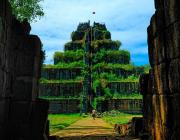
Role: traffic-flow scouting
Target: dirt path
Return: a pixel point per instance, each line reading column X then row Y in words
column 86, row 127
column 89, row 129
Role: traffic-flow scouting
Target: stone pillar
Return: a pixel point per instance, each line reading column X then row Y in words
column 161, row 87
column 22, row 115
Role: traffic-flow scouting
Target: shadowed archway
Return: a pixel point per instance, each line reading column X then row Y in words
column 23, row 116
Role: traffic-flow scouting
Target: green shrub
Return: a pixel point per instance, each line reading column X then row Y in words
column 103, row 65
column 107, row 35
column 68, row 56
column 77, row 35
column 98, row 34
column 106, row 44
column 99, row 26
column 74, row 45
column 58, row 57
column 99, row 56
column 107, row 93
column 146, row 68
column 78, row 64
column 94, row 103
column 118, row 56
column 96, row 83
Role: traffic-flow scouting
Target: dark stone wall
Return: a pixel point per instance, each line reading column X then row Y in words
column 117, row 59
column 63, row 74
column 64, row 106
column 22, row 115
column 61, row 89
column 161, row 86
column 124, row 87
column 123, row 105
column 122, row 72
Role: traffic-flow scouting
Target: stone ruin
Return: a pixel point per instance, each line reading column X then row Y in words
column 22, row 115
column 161, row 87
column 75, row 82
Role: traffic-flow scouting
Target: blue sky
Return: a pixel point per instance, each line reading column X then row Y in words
column 127, row 20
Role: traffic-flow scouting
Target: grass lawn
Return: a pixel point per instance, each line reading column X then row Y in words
column 60, row 121
column 121, row 118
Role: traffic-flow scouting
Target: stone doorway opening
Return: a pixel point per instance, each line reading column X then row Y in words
column 66, row 105
column 25, row 117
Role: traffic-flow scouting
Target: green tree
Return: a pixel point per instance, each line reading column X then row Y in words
column 27, row 9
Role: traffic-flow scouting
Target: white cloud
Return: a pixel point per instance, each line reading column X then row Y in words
column 127, row 20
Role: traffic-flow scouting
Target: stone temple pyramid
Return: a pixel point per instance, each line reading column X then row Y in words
column 92, row 72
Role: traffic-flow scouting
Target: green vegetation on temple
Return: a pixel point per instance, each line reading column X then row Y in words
column 98, row 63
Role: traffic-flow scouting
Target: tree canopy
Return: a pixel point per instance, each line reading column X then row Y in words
column 27, row 9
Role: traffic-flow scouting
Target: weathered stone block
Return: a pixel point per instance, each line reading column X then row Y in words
column 162, row 119
column 160, row 48
column 1, row 28
column 159, row 4
column 160, row 75
column 156, row 47
column 36, row 44
column 64, row 106
column 22, row 89
column 175, row 111
column 123, row 129
column 161, row 112
column 137, row 126
column 26, row 27
column 159, row 21
column 7, row 91
column 172, row 34
column 144, row 83
column 152, row 88
column 1, row 55
column 39, row 117
column 147, row 112
column 1, row 7
column 24, row 64
column 174, row 76
column 172, row 13
column 20, row 112
column 152, row 29
column 4, row 110
column 8, row 14
column 1, row 81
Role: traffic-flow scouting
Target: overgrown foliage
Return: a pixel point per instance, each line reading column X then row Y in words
column 46, row 81
column 106, row 70
column 78, row 64
column 75, row 45
column 113, row 56
column 27, row 9
column 77, row 35
column 115, row 117
column 68, row 56
column 106, row 44
column 104, row 65
column 146, row 68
